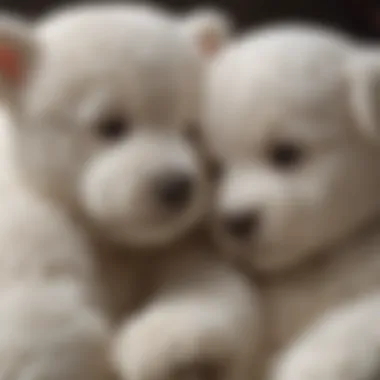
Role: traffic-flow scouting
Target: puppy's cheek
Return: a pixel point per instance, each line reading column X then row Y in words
column 96, row 196
column 107, row 193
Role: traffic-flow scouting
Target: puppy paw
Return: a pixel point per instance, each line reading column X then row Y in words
column 48, row 333
column 345, row 345
column 176, row 346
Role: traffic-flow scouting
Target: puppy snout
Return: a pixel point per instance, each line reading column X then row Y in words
column 174, row 190
column 242, row 225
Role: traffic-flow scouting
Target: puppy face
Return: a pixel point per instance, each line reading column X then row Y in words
column 283, row 119
column 101, row 120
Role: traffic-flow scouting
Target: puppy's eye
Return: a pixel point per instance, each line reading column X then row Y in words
column 113, row 128
column 285, row 155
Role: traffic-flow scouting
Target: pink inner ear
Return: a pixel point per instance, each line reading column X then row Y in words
column 209, row 44
column 10, row 64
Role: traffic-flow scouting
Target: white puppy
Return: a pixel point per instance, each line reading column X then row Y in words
column 100, row 98
column 290, row 115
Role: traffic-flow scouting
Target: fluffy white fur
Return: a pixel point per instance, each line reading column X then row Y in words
column 99, row 101
column 292, row 117
column 51, row 325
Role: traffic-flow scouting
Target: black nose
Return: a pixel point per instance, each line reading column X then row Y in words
column 242, row 225
column 174, row 190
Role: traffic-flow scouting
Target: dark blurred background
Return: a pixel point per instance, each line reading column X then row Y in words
column 358, row 17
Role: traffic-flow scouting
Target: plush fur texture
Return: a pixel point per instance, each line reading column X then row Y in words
column 100, row 99
column 292, row 119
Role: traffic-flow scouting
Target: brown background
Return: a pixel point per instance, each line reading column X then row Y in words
column 358, row 17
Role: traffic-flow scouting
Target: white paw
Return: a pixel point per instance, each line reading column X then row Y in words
column 175, row 344
column 46, row 333
column 345, row 345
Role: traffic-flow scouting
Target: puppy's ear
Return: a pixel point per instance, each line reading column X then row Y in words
column 364, row 85
column 18, row 51
column 210, row 29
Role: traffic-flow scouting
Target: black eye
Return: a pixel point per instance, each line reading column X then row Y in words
column 285, row 155
column 113, row 128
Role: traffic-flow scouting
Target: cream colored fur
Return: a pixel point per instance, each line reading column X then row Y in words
column 92, row 279
column 292, row 117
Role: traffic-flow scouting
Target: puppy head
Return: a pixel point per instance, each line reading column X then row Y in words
column 101, row 97
column 290, row 115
